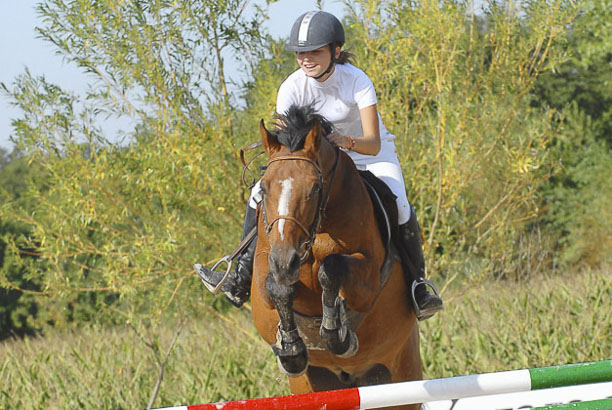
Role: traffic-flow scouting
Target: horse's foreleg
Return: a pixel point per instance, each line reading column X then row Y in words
column 339, row 338
column 290, row 350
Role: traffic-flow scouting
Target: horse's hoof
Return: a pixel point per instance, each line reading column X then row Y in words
column 345, row 348
column 353, row 345
column 293, row 366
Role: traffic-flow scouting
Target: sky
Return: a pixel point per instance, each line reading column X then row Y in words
column 20, row 48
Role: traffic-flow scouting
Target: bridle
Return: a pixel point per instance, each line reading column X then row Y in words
column 310, row 232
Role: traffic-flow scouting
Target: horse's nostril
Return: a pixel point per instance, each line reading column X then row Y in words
column 295, row 261
column 284, row 260
column 273, row 261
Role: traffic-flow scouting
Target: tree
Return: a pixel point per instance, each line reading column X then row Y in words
column 580, row 89
column 18, row 306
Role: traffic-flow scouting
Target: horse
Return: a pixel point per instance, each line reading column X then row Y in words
column 318, row 264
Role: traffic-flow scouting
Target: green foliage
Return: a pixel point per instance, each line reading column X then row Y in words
column 17, row 309
column 580, row 195
column 453, row 87
column 124, row 221
column 274, row 64
column 162, row 59
column 118, row 226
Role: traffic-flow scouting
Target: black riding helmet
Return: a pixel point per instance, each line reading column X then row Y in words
column 316, row 29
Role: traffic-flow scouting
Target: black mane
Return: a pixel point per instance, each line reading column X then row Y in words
column 296, row 123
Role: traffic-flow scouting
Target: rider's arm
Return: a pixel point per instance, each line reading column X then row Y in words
column 369, row 144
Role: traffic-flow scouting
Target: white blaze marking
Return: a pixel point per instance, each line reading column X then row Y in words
column 283, row 204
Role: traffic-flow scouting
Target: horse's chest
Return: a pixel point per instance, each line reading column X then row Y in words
column 309, row 275
column 326, row 245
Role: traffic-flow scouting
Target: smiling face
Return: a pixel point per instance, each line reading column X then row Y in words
column 315, row 62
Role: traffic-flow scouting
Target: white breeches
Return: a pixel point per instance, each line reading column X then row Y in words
column 389, row 171
column 391, row 174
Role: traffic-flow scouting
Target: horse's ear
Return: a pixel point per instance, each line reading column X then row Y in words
column 313, row 139
column 270, row 142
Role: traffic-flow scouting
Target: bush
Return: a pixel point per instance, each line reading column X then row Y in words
column 453, row 86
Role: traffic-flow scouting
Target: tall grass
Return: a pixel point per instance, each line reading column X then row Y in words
column 213, row 360
column 506, row 324
column 486, row 327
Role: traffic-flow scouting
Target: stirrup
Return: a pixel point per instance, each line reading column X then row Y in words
column 426, row 313
column 215, row 280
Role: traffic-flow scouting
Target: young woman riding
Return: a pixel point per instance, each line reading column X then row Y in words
column 345, row 96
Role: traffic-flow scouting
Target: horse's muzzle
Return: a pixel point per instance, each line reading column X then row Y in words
column 284, row 264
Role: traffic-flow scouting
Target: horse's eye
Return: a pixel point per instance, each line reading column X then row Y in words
column 315, row 191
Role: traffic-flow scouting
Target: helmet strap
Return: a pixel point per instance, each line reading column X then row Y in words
column 331, row 63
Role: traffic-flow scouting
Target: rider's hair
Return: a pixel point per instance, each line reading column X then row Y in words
column 345, row 56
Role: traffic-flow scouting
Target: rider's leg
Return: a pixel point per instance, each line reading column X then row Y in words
column 237, row 287
column 425, row 303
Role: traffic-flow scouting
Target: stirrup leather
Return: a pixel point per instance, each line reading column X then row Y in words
column 422, row 315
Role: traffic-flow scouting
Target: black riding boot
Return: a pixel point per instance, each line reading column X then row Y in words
column 237, row 288
column 425, row 304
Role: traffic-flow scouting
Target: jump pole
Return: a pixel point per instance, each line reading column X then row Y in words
column 421, row 391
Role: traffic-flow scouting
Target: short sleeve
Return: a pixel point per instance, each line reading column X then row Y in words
column 365, row 95
column 285, row 98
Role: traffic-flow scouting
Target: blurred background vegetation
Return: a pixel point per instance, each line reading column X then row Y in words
column 502, row 117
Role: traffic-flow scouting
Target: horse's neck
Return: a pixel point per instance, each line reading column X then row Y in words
column 349, row 210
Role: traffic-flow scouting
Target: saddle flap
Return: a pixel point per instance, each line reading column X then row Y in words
column 385, row 207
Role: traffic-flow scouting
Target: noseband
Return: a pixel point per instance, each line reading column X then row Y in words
column 321, row 203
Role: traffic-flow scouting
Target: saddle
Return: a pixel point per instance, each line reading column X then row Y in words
column 385, row 208
column 386, row 215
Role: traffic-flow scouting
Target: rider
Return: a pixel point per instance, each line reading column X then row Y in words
column 345, row 96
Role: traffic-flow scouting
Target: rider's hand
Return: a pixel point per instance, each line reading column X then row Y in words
column 338, row 140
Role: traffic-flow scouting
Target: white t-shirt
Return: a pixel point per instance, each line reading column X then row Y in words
column 339, row 99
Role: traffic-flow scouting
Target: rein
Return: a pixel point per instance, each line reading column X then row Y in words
column 246, row 164
column 321, row 203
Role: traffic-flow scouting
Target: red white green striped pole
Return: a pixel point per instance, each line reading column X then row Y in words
column 430, row 390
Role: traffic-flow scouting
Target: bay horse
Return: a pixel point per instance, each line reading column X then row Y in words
column 318, row 266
